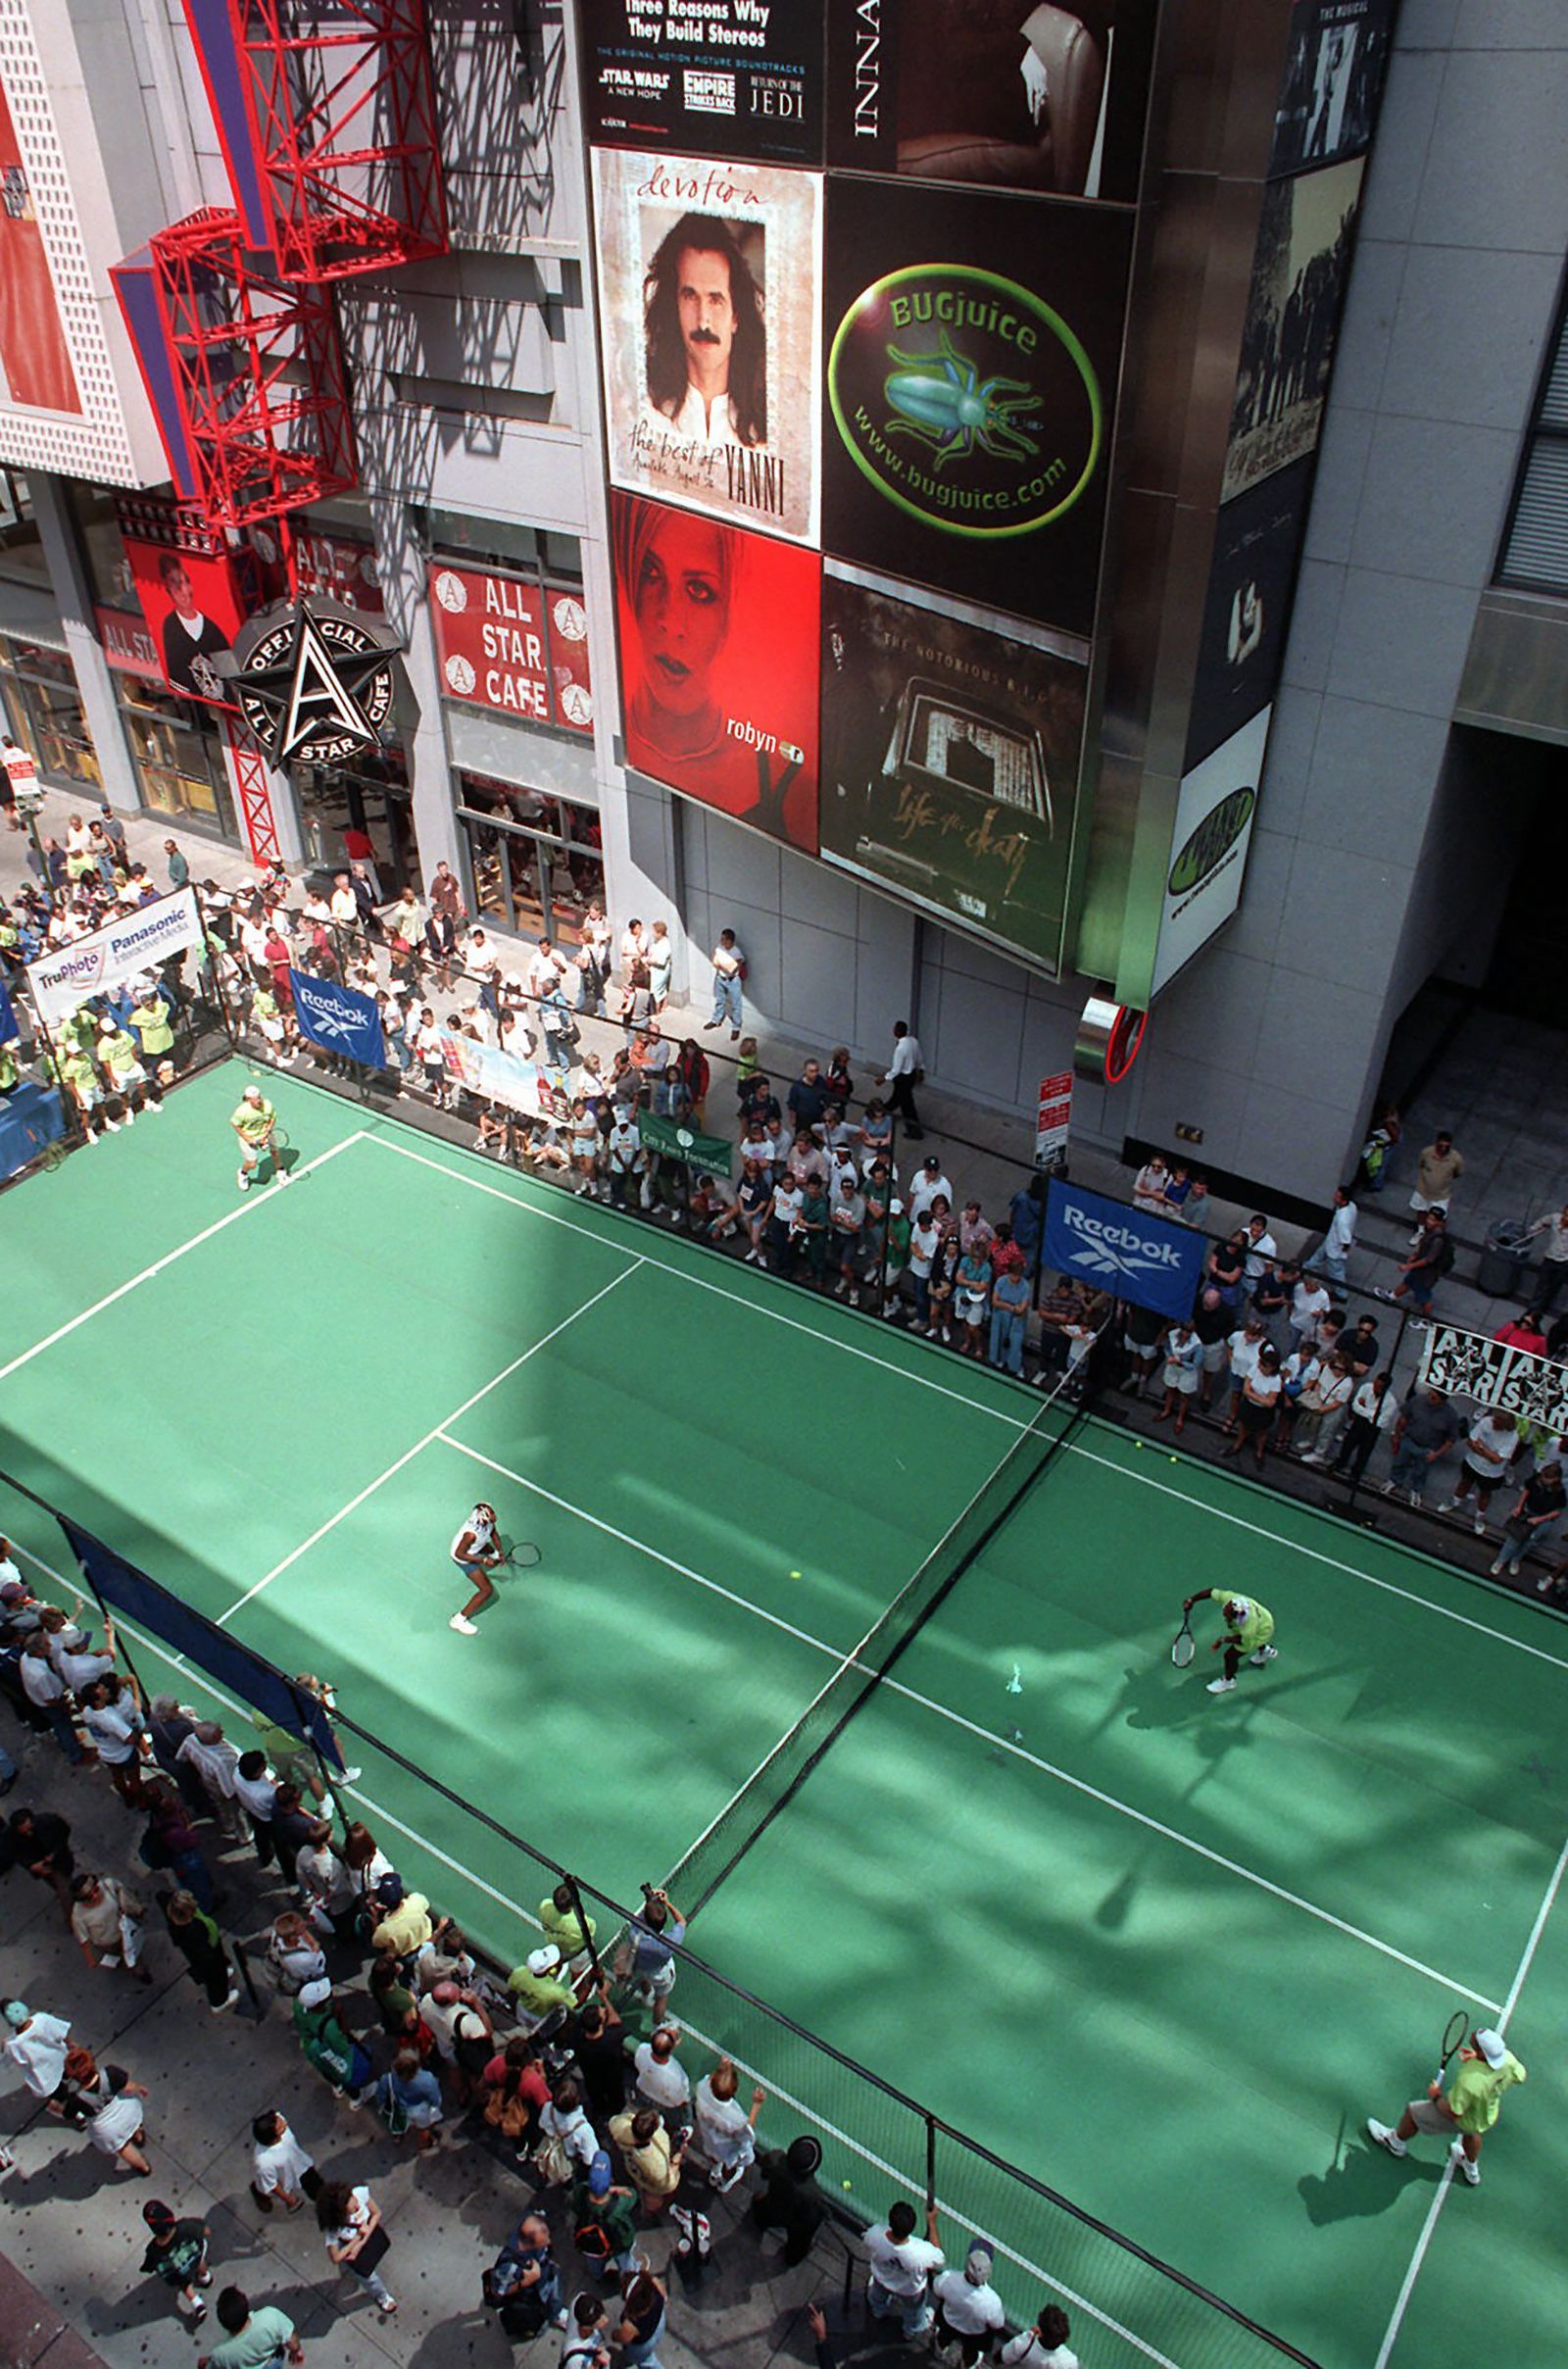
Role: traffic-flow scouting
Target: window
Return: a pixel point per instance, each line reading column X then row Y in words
column 362, row 810
column 536, row 858
column 178, row 754
column 42, row 705
column 1535, row 543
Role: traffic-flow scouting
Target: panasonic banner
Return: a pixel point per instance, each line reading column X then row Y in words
column 1120, row 1249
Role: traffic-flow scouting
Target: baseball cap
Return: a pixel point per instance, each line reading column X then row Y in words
column 598, row 2175
column 18, row 2013
column 977, row 2264
column 390, row 1891
column 1494, row 2048
column 316, row 1994
column 14, row 1592
column 545, row 1961
column 1238, row 1604
column 157, row 2216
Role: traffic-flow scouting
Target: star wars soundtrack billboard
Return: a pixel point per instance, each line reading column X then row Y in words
column 719, row 644
column 708, row 297
column 973, row 345
column 1045, row 99
column 1338, row 53
column 950, row 759
column 1293, row 322
column 730, row 78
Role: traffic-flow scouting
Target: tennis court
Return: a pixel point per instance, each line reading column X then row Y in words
column 1164, row 1952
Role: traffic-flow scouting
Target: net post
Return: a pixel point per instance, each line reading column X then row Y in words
column 930, row 2163
column 585, row 1927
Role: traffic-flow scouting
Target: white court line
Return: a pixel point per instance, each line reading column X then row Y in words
column 703, row 1283
column 1275, row 1537
column 893, row 2171
column 252, row 1201
column 1429, row 2226
column 434, row 1433
column 941, row 1710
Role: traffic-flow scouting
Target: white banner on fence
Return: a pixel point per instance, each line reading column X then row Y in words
column 503, row 1077
column 1472, row 1365
column 111, row 956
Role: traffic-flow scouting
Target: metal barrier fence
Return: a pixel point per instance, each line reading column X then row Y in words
column 1353, row 1492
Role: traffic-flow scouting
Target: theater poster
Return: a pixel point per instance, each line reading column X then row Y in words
column 708, row 275
column 1250, row 583
column 730, row 78
column 998, row 94
column 950, row 761
column 195, row 591
column 1293, row 322
column 36, row 372
column 1337, row 56
column 719, row 640
column 974, row 347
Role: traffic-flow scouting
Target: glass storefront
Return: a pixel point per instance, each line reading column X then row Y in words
column 536, row 858
column 42, row 708
column 178, row 754
column 362, row 810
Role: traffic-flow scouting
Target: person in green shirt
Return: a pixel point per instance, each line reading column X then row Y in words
column 10, row 1074
column 562, row 1925
column 1249, row 1630
column 149, row 1021
column 253, row 2340
column 119, row 1060
column 1487, row 2067
column 542, row 1983
column 80, row 1079
column 255, row 1122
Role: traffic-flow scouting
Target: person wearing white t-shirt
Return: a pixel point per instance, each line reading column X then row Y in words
column 281, row 2170
column 37, row 2043
column 1333, row 1253
column 1044, row 2345
column 477, row 1551
column 902, row 2267
column 661, row 2078
column 905, row 1067
column 969, row 2310
column 926, row 1185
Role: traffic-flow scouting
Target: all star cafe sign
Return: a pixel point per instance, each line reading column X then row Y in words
column 314, row 682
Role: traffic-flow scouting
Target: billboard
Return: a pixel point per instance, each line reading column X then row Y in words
column 950, row 759
column 1148, row 1260
column 1338, row 54
column 194, row 600
column 974, row 347
column 1213, row 831
column 37, row 372
column 1048, row 99
column 710, row 325
column 1292, row 321
column 1252, row 578
column 508, row 643
column 733, row 77
column 111, row 957
column 719, row 660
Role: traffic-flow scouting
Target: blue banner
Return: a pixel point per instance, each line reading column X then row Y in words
column 9, row 1031
column 1120, row 1249
column 338, row 1019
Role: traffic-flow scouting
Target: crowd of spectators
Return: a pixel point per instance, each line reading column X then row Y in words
column 572, row 2070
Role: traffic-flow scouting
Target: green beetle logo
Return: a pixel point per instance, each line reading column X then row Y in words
column 965, row 400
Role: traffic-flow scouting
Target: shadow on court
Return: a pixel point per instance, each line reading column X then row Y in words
column 1367, row 2182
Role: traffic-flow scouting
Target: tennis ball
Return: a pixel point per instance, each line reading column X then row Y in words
column 848, row 2184
column 1175, row 1460
column 795, row 1575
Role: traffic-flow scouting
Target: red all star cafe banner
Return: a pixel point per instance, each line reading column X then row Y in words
column 512, row 645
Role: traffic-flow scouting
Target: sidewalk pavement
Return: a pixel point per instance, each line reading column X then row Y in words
column 73, row 2226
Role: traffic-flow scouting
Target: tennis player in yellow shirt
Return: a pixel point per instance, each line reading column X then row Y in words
column 1487, row 2068
column 255, row 1122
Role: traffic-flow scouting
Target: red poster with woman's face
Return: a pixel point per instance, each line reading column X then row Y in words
column 719, row 658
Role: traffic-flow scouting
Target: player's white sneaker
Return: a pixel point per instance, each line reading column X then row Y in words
column 463, row 1626
column 244, row 1183
column 1385, row 2135
column 1266, row 1652
column 1462, row 2164
column 352, row 1776
column 1219, row 1686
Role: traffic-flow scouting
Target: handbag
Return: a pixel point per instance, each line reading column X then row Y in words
column 371, row 2254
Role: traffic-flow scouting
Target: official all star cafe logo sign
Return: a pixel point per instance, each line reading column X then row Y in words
column 314, row 682
column 965, row 400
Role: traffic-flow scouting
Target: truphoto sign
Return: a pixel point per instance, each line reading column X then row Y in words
column 112, row 956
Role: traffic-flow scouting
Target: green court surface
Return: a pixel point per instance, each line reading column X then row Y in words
column 1162, row 1951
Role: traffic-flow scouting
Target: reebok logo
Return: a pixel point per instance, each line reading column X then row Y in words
column 1117, row 1249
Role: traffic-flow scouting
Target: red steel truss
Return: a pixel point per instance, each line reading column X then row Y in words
column 342, row 114
column 258, row 374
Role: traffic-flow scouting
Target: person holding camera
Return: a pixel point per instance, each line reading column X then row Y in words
column 647, row 1958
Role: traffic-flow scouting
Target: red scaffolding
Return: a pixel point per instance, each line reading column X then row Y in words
column 341, row 110
column 258, row 374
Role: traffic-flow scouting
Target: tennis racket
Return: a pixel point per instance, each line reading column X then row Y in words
column 521, row 1555
column 278, row 1140
column 1453, row 2039
column 1184, row 1644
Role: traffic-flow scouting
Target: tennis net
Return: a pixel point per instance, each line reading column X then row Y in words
column 743, row 1821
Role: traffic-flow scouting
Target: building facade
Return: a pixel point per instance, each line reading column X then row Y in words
column 1272, row 737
